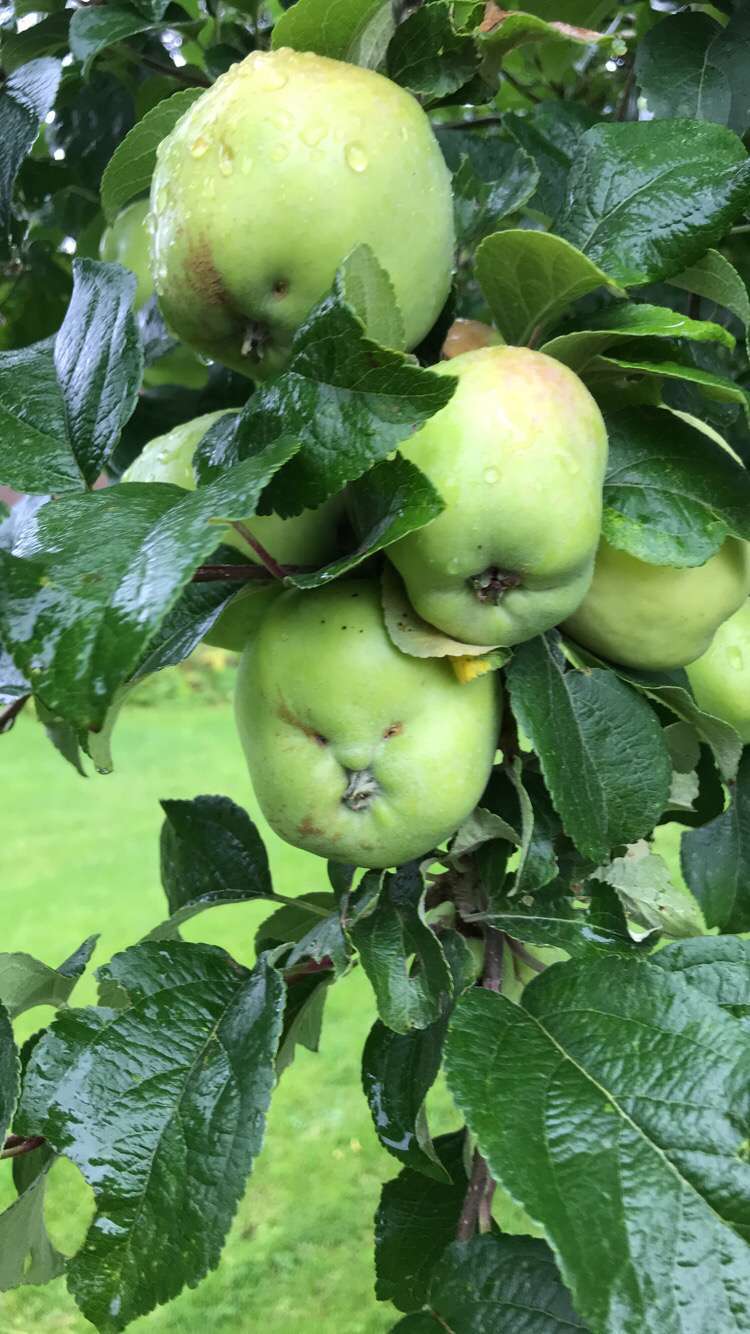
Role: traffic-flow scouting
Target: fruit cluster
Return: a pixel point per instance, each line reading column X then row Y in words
column 357, row 751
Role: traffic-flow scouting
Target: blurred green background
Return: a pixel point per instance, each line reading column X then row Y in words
column 79, row 856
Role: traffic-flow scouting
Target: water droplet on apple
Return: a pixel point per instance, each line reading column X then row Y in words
column 226, row 160
column 283, row 120
column 272, row 80
column 356, row 157
column 313, row 133
column 735, row 658
column 491, row 475
column 199, row 146
column 280, row 153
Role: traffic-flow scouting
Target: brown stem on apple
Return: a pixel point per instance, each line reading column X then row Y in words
column 15, row 1146
column 265, row 557
column 9, row 715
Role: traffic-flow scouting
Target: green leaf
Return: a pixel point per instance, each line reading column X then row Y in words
column 671, row 496
column 672, row 690
column 643, row 884
column 8, row 1072
column 418, row 638
column 645, row 200
column 676, row 73
column 715, row 859
column 64, row 402
column 584, row 925
column 714, row 278
column 415, row 1221
column 211, row 854
column 27, row 1255
column 426, row 54
column 43, row 39
column 530, row 279
column 176, row 1087
column 503, row 31
column 623, row 1075
column 357, row 31
column 718, row 966
column 398, row 1071
column 387, row 935
column 549, row 132
column 78, row 615
column 303, row 1016
column 492, row 178
column 25, row 98
column 715, row 387
column 730, row 50
column 26, row 982
column 522, row 798
column 392, row 499
column 93, row 30
column 625, row 322
column 601, row 748
column 367, row 288
column 419, row 1323
column 128, row 172
column 347, row 401
column 495, row 1283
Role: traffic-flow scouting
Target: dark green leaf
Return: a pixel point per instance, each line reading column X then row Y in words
column 530, row 279
column 211, row 854
column 676, row 72
column 490, row 1284
column 387, row 936
column 549, row 132
column 392, row 499
column 25, row 98
column 583, row 925
column 419, row 1323
column 176, row 1087
column 671, row 496
column 627, row 321
column 730, row 50
column 601, row 748
column 303, row 1016
column 349, row 403
column 717, row 387
column 78, row 614
column 427, row 56
column 714, row 278
column 398, row 1071
column 492, row 178
column 716, row 859
column 719, row 966
column 42, row 39
column 645, row 200
column 415, row 1221
column 63, row 403
column 623, row 1075
column 93, row 30
column 8, row 1072
column 129, row 170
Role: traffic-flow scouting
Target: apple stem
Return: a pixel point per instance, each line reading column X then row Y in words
column 494, row 940
column 15, row 1145
column 265, row 557
column 523, row 954
column 206, row 574
column 9, row 715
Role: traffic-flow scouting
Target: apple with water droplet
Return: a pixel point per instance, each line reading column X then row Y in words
column 270, row 179
column 356, row 751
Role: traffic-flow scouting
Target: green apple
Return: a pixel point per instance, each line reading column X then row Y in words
column 720, row 678
column 126, row 242
column 270, row 180
column 518, row 455
column 307, row 539
column 658, row 617
column 356, row 751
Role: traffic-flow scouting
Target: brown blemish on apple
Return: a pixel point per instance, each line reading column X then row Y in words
column 395, row 729
column 309, row 830
column 286, row 715
column 203, row 277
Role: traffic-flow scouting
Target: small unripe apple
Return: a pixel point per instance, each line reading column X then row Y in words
column 518, row 455
column 658, row 617
column 467, row 336
column 286, row 164
column 720, row 678
column 126, row 242
column 307, row 539
column 356, row 751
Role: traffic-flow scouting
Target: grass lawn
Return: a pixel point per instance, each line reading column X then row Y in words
column 80, row 856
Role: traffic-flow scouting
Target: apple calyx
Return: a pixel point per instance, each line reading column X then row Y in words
column 360, row 790
column 492, row 584
column 255, row 341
